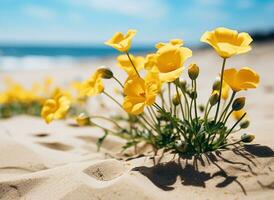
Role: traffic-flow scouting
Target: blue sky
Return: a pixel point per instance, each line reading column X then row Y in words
column 94, row 21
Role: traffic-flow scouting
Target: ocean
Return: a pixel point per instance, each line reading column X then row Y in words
column 20, row 57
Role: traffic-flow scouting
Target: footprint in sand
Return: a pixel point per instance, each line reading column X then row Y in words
column 40, row 134
column 56, row 145
column 106, row 170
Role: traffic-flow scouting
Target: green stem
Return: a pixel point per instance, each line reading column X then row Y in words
column 207, row 104
column 220, row 91
column 109, row 96
column 180, row 101
column 132, row 64
column 99, row 126
column 148, row 123
column 228, row 116
column 187, row 103
column 151, row 115
column 169, row 96
column 117, row 80
column 195, row 103
column 107, row 119
column 227, row 107
column 162, row 99
column 235, row 125
column 206, row 116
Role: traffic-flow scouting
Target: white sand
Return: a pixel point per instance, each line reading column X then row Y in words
column 58, row 161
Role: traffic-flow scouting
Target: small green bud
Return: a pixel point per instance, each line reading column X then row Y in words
column 214, row 98
column 106, row 73
column 83, row 120
column 181, row 146
column 244, row 124
column 216, row 84
column 238, row 103
column 193, row 71
column 176, row 99
column 193, row 94
column 247, row 138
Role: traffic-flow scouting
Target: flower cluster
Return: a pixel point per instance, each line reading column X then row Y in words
column 171, row 120
column 17, row 99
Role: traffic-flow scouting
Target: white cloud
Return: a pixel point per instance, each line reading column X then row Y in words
column 135, row 8
column 39, row 12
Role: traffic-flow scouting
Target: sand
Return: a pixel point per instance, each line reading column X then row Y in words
column 59, row 161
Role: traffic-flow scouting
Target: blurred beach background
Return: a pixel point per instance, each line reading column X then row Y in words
column 55, row 34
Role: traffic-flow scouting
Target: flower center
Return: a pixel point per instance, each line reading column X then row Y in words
column 142, row 94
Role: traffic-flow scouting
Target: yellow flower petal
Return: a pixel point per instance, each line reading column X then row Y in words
column 243, row 79
column 227, row 42
column 121, row 42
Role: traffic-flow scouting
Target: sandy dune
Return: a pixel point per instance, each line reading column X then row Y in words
column 59, row 161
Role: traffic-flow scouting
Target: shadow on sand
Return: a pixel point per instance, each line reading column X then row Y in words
column 164, row 175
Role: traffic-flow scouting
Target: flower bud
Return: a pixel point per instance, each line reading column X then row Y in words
column 83, row 120
column 214, row 98
column 216, row 84
column 193, row 71
column 193, row 94
column 176, row 99
column 181, row 146
column 244, row 124
column 238, row 103
column 247, row 138
column 106, row 73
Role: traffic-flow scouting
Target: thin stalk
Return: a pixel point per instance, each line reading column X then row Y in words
column 162, row 99
column 228, row 105
column 109, row 96
column 99, row 126
column 153, row 112
column 207, row 104
column 169, row 96
column 117, row 80
column 107, row 119
column 235, row 125
column 195, row 103
column 187, row 104
column 206, row 116
column 148, row 123
column 228, row 116
column 151, row 115
column 220, row 91
column 180, row 101
column 132, row 64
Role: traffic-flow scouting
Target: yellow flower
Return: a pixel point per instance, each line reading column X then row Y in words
column 225, row 90
column 168, row 61
column 227, row 42
column 238, row 114
column 178, row 42
column 55, row 108
column 93, row 86
column 125, row 64
column 121, row 42
column 140, row 93
column 243, row 79
column 4, row 98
